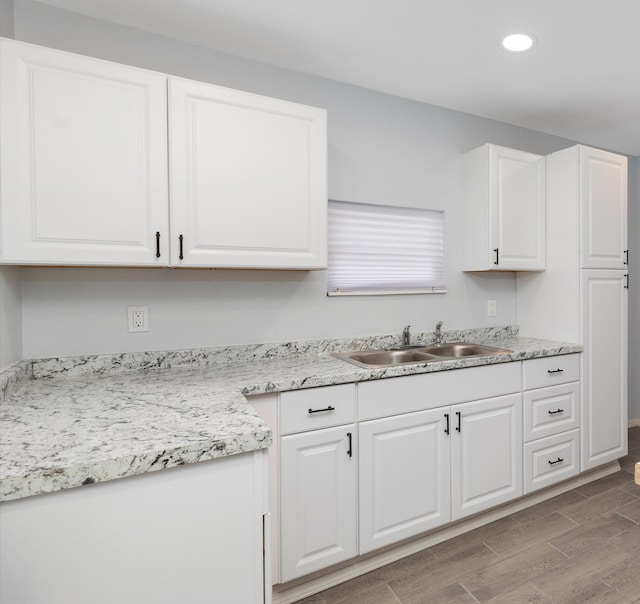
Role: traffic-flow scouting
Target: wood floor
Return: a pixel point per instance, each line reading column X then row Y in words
column 582, row 546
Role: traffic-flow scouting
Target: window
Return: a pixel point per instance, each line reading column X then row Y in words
column 384, row 250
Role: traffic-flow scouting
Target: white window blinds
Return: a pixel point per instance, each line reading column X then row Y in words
column 384, row 249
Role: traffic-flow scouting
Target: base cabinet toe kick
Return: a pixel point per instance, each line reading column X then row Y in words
column 360, row 469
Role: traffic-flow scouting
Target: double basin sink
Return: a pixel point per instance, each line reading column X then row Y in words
column 404, row 355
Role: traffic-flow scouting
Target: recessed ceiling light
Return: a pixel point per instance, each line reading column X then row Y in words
column 518, row 42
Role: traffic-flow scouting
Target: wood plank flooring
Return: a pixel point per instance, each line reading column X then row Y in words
column 580, row 547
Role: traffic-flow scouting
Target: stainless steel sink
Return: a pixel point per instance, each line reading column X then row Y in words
column 463, row 349
column 385, row 358
column 424, row 354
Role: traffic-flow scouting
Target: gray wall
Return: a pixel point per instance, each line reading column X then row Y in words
column 382, row 149
column 6, row 18
column 10, row 316
column 10, row 300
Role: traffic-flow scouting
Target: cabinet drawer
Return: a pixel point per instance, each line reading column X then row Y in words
column 384, row 398
column 549, row 411
column 550, row 460
column 549, row 371
column 316, row 408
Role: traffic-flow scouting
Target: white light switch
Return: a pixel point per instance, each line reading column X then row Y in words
column 491, row 308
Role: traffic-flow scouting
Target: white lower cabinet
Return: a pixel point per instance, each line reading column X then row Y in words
column 421, row 470
column 318, row 491
column 551, row 420
column 318, row 479
column 188, row 534
column 438, row 458
column 411, row 454
column 486, row 454
column 404, row 477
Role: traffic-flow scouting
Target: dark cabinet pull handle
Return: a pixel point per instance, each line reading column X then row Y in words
column 497, row 257
column 329, row 408
column 350, row 451
column 626, row 257
column 627, row 283
column 559, row 460
column 180, row 239
column 458, row 426
column 446, row 430
column 555, row 370
column 157, row 244
column 555, row 412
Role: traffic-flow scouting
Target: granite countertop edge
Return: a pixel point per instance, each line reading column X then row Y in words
column 64, row 432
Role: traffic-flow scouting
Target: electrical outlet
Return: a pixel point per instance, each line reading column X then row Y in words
column 138, row 318
column 491, row 308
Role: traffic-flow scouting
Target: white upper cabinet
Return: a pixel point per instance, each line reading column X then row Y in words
column 504, row 209
column 83, row 160
column 86, row 159
column 603, row 206
column 248, row 179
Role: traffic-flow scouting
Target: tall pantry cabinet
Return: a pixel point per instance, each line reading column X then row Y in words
column 583, row 294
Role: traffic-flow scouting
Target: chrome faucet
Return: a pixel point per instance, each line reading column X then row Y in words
column 406, row 336
column 438, row 339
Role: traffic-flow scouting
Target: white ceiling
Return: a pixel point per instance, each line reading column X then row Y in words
column 581, row 82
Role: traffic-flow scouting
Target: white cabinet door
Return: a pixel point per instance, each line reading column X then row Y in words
column 486, row 454
column 517, row 209
column 83, row 158
column 603, row 205
column 604, row 366
column 404, row 477
column 248, row 179
column 318, row 495
column 504, row 203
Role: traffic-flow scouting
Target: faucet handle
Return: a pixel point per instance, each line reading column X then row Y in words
column 406, row 335
column 438, row 334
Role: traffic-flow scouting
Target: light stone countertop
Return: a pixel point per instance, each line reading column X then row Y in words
column 92, row 419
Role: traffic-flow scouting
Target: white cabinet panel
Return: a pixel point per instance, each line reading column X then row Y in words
column 604, row 366
column 318, row 495
column 603, row 191
column 394, row 396
column 404, row 477
column 486, row 454
column 504, row 203
column 83, row 160
column 248, row 179
column 189, row 534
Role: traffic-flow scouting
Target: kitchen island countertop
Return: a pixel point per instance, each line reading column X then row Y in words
column 82, row 426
